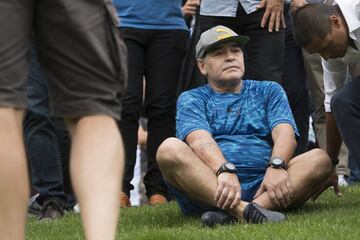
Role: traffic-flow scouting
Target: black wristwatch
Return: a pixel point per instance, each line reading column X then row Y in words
column 226, row 167
column 277, row 163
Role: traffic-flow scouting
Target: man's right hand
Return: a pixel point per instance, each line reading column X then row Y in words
column 189, row 9
column 296, row 4
column 228, row 191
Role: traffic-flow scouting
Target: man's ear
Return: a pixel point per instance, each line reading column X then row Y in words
column 335, row 22
column 201, row 65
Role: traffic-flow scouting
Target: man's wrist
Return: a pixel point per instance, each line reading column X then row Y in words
column 277, row 163
column 226, row 167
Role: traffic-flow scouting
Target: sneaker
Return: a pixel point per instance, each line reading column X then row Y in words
column 52, row 210
column 213, row 218
column 76, row 208
column 124, row 200
column 342, row 181
column 253, row 213
column 34, row 208
column 157, row 199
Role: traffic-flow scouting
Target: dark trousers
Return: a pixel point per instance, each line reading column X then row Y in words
column 295, row 86
column 264, row 53
column 47, row 141
column 156, row 55
column 345, row 106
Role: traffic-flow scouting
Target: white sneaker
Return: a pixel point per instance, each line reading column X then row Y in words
column 342, row 181
column 77, row 208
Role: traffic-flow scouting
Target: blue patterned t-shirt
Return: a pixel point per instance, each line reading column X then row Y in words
column 241, row 123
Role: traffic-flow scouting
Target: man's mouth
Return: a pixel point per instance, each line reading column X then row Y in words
column 231, row 67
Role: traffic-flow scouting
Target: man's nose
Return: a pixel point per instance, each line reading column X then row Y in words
column 230, row 55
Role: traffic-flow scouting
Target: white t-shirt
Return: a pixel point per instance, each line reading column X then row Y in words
column 335, row 70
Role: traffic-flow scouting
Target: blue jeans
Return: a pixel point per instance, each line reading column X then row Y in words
column 46, row 140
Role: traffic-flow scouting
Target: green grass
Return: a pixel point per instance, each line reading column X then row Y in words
column 329, row 217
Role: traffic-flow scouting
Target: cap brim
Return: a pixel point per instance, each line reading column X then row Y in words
column 241, row 40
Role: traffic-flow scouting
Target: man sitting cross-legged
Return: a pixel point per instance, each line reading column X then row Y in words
column 232, row 159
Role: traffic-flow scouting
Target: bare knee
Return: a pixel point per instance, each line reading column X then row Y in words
column 169, row 151
column 320, row 161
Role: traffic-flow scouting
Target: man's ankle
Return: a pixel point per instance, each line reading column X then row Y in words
column 239, row 210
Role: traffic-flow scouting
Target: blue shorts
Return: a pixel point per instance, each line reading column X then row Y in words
column 192, row 208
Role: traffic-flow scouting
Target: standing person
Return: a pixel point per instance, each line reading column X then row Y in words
column 233, row 158
column 83, row 59
column 295, row 85
column 47, row 149
column 156, row 37
column 334, row 33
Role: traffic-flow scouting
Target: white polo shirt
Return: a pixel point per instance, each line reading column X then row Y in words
column 335, row 69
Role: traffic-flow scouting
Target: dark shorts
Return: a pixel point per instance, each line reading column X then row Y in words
column 192, row 208
column 80, row 51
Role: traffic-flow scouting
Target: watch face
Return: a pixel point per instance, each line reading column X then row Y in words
column 277, row 161
column 230, row 166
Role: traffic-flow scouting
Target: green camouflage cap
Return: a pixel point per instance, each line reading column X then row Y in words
column 215, row 36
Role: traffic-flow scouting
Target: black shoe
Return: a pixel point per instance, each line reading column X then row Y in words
column 212, row 218
column 253, row 213
column 52, row 209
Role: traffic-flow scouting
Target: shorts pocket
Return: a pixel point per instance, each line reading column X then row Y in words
column 117, row 47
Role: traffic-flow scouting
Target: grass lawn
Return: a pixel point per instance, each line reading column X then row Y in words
column 329, row 217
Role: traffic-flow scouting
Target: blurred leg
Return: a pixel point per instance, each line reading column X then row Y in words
column 15, row 25
column 86, row 81
column 13, row 170
column 96, row 170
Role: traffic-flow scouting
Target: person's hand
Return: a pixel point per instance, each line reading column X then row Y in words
column 189, row 9
column 274, row 14
column 332, row 180
column 228, row 191
column 277, row 184
column 296, row 4
column 142, row 137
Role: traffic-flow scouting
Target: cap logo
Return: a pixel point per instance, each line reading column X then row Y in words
column 223, row 33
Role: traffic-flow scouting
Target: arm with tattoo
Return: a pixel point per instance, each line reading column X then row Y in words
column 228, row 191
column 205, row 147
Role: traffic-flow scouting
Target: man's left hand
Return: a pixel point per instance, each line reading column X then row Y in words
column 277, row 184
column 275, row 11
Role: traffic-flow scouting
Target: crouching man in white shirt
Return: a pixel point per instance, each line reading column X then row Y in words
column 334, row 33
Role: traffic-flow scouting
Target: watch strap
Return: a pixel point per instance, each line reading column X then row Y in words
column 223, row 169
